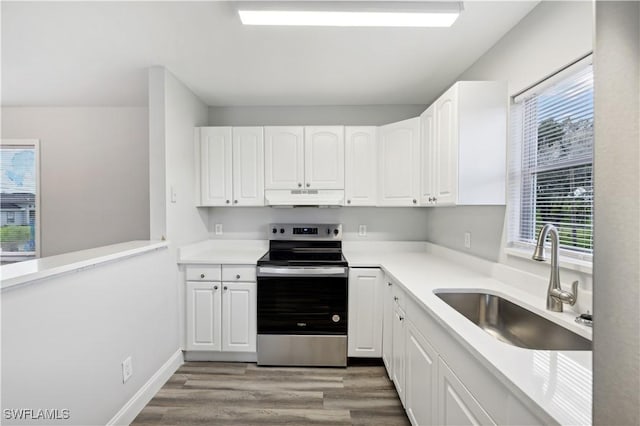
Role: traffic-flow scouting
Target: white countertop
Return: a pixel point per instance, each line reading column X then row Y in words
column 230, row 252
column 21, row 273
column 559, row 382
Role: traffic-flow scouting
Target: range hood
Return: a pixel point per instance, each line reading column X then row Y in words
column 304, row 197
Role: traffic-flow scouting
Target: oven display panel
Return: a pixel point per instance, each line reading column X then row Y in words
column 305, row 231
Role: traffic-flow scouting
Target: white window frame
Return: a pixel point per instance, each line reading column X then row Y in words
column 30, row 143
column 569, row 259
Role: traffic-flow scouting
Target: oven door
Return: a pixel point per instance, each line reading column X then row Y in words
column 302, row 300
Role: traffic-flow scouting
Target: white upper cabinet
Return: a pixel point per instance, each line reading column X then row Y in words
column 399, row 163
column 215, row 166
column 361, row 166
column 309, row 157
column 465, row 135
column 324, row 157
column 248, row 166
column 427, row 173
column 284, row 157
column 231, row 166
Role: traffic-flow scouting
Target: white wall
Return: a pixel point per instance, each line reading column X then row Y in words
column 551, row 36
column 174, row 112
column 312, row 115
column 382, row 223
column 94, row 173
column 64, row 338
column 616, row 332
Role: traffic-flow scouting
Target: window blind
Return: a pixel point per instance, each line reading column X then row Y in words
column 551, row 163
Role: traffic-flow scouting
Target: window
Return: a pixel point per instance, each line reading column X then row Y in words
column 19, row 200
column 551, row 162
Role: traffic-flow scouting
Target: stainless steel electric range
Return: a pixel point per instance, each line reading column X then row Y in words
column 302, row 297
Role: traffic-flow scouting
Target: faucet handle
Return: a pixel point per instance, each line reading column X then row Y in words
column 574, row 290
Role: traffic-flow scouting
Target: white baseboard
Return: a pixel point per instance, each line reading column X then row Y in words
column 141, row 398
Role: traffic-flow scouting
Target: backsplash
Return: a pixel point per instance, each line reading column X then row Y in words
column 388, row 224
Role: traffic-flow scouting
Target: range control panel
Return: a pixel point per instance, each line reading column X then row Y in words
column 304, row 231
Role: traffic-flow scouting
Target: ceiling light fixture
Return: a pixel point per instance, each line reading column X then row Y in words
column 350, row 13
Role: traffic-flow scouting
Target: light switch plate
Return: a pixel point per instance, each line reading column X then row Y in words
column 467, row 240
column 362, row 230
column 218, row 229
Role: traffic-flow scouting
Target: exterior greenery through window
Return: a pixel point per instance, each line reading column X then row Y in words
column 18, row 199
column 551, row 165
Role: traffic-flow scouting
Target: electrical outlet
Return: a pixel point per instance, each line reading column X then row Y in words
column 362, row 230
column 467, row 240
column 218, row 229
column 127, row 369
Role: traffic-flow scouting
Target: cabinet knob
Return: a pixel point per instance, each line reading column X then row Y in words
column 224, row 288
column 348, row 201
column 395, row 298
column 434, row 199
column 299, row 185
column 389, row 284
column 238, row 277
column 235, row 201
column 215, row 287
column 227, row 201
column 400, row 318
column 430, row 199
column 308, row 185
column 415, row 201
column 201, row 275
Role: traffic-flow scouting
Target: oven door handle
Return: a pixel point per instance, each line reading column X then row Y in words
column 269, row 271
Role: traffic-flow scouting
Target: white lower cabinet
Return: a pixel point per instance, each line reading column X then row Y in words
column 203, row 316
column 421, row 384
column 438, row 381
column 456, row 405
column 365, row 313
column 221, row 315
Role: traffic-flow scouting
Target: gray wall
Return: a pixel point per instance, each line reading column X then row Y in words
column 94, row 167
column 382, row 223
column 550, row 37
column 64, row 338
column 311, row 115
column 616, row 334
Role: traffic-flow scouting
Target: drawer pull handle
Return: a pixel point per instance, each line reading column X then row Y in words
column 395, row 298
column 225, row 287
column 201, row 275
column 238, row 277
column 389, row 284
column 215, row 287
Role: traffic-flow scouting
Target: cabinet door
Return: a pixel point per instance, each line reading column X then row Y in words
column 456, row 405
column 283, row 157
column 446, row 131
column 215, row 167
column 399, row 157
column 421, row 379
column 387, row 327
column 361, row 166
column 427, row 171
column 399, row 352
column 248, row 166
column 324, row 157
column 239, row 317
column 203, row 316
column 365, row 312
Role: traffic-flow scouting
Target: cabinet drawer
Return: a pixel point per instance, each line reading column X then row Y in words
column 203, row 273
column 245, row 273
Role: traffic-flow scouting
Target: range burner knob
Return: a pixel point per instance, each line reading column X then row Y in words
column 336, row 232
column 282, row 230
column 274, row 230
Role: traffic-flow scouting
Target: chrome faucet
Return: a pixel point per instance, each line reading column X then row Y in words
column 555, row 295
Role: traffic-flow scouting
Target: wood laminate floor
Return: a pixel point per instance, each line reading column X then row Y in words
column 217, row 393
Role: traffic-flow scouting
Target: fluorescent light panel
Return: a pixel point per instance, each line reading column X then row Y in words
column 350, row 14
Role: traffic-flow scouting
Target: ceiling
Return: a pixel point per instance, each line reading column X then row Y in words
column 97, row 54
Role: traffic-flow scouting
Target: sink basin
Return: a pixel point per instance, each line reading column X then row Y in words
column 513, row 324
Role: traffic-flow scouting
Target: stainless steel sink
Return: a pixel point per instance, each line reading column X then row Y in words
column 514, row 324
